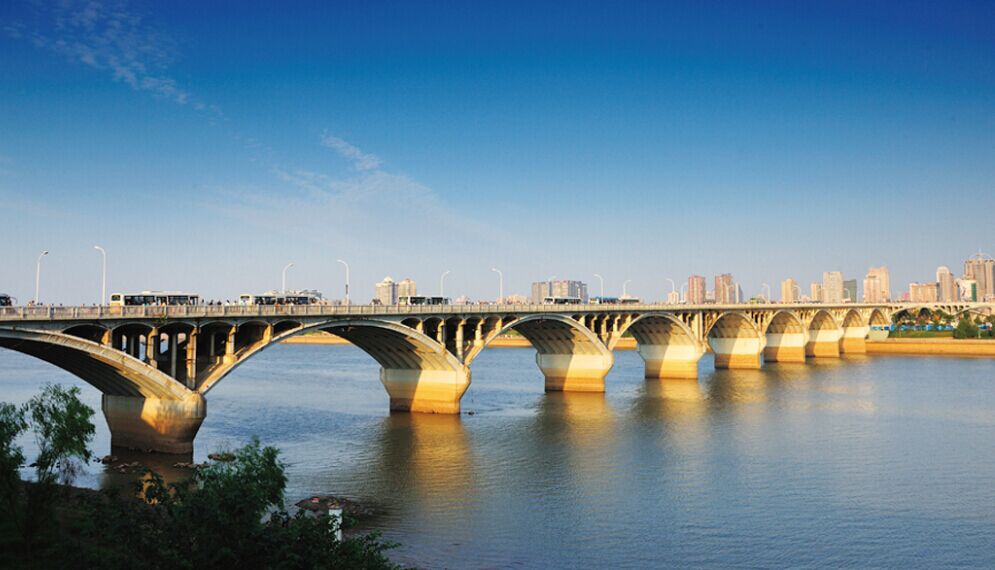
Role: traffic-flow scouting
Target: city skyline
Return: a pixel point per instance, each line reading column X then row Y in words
column 205, row 159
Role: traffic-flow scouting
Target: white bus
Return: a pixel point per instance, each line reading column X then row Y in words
column 561, row 301
column 277, row 298
column 153, row 298
column 422, row 300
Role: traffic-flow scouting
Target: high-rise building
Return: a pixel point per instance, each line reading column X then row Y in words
column 725, row 289
column 832, row 287
column 386, row 292
column 880, row 282
column 946, row 287
column 981, row 268
column 559, row 288
column 696, row 290
column 922, row 292
column 815, row 291
column 406, row 288
column 850, row 291
column 789, row 287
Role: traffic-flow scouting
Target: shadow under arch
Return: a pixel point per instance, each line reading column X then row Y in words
column 786, row 337
column 824, row 334
column 666, row 344
column 736, row 340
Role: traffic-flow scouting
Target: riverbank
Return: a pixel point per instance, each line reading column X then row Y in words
column 932, row 347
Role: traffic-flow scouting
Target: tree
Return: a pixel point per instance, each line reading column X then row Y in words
column 12, row 424
column 63, row 431
column 966, row 328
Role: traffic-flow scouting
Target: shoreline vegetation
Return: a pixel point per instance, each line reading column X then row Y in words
column 230, row 512
column 910, row 343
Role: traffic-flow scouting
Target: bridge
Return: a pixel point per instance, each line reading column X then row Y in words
column 155, row 364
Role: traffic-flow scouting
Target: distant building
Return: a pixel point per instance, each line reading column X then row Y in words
column 850, row 291
column 967, row 289
column 946, row 285
column 725, row 289
column 462, row 300
column 673, row 298
column 386, row 292
column 515, row 299
column 815, row 292
column 790, row 291
column 832, row 287
column 981, row 268
column 696, row 290
column 922, row 292
column 709, row 297
column 559, row 288
column 877, row 285
column 407, row 288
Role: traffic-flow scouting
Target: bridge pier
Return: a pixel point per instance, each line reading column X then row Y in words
column 670, row 360
column 785, row 347
column 853, row 341
column 575, row 372
column 737, row 353
column 153, row 424
column 425, row 391
column 823, row 343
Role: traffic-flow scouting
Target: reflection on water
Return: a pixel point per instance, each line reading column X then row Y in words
column 859, row 462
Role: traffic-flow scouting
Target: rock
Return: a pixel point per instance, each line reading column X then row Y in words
column 221, row 456
column 108, row 459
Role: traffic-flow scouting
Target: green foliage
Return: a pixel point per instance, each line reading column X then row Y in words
column 63, row 431
column 966, row 328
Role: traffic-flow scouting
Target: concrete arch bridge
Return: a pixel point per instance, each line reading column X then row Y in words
column 155, row 365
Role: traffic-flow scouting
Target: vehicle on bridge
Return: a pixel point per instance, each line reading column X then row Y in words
column 153, row 298
column 615, row 300
column 561, row 301
column 281, row 298
column 422, row 300
column 6, row 300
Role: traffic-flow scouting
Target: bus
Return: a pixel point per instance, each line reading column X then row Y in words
column 153, row 298
column 422, row 300
column 629, row 300
column 281, row 298
column 561, row 301
column 604, row 300
column 6, row 300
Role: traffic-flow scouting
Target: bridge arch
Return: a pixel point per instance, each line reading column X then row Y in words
column 786, row 337
column 667, row 345
column 736, row 341
column 570, row 356
column 855, row 331
column 824, row 334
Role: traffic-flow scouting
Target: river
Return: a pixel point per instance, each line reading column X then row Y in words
column 880, row 461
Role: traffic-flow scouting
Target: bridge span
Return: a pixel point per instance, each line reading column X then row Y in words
column 155, row 364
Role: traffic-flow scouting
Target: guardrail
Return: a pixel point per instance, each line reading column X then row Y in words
column 53, row 313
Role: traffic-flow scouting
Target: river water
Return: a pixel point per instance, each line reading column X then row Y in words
column 860, row 462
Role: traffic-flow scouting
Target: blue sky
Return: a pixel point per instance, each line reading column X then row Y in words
column 207, row 146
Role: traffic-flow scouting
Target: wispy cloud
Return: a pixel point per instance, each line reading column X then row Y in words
column 361, row 161
column 110, row 37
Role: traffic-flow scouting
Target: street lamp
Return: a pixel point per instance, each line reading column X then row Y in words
column 346, row 280
column 442, row 283
column 103, row 278
column 283, row 283
column 38, row 275
column 626, row 283
column 500, row 284
column 602, row 280
column 684, row 298
column 767, row 298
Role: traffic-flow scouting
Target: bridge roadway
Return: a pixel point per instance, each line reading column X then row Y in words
column 154, row 365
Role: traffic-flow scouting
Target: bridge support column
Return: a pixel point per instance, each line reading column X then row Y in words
column 737, row 353
column 575, row 372
column 152, row 348
column 853, row 341
column 670, row 360
column 230, row 347
column 823, row 343
column 785, row 347
column 151, row 424
column 426, row 391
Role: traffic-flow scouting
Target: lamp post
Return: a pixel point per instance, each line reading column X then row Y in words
column 283, row 283
column 500, row 284
column 38, row 275
column 767, row 297
column 684, row 298
column 602, row 280
column 442, row 283
column 624, row 285
column 346, row 280
column 103, row 274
